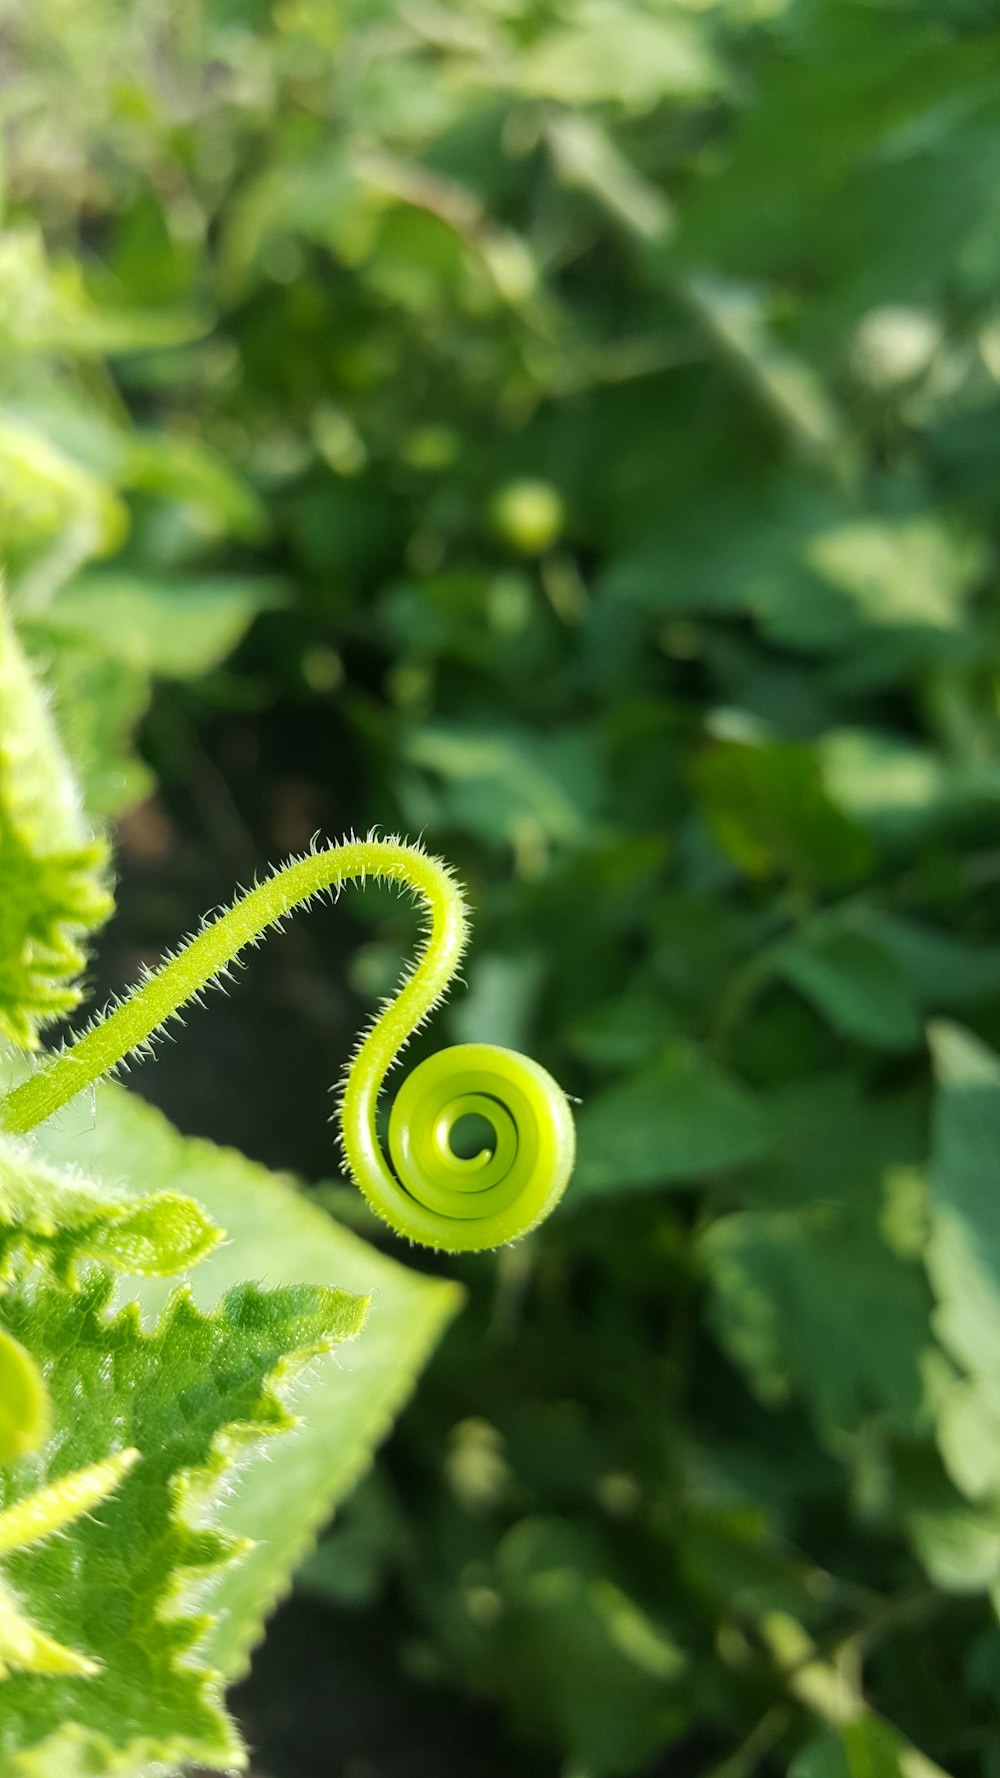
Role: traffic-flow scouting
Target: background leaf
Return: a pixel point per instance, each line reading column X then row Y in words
column 676, row 1121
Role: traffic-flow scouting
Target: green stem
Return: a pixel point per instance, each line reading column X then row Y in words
column 433, row 1196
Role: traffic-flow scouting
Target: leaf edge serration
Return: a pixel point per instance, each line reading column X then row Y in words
column 54, row 869
column 203, row 1552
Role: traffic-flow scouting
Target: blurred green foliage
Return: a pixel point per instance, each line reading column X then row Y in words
column 596, row 406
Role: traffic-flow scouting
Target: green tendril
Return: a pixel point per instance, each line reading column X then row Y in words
column 430, row 1194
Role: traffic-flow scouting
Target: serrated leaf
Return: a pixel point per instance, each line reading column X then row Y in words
column 275, row 1234
column 193, row 1396
column 782, row 1281
column 59, row 1220
column 835, row 1144
column 820, row 1293
column 52, row 891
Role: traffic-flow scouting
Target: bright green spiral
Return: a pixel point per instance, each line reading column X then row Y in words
column 438, row 1197
column 434, row 1196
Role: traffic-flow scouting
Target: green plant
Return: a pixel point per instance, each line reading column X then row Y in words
column 437, row 1196
column 706, row 1477
column 102, row 1628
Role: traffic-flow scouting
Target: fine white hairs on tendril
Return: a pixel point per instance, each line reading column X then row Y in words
column 429, row 1193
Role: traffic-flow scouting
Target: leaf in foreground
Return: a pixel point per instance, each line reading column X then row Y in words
column 277, row 1236
column 23, row 1647
column 51, row 868
column 193, row 1396
column 57, row 1219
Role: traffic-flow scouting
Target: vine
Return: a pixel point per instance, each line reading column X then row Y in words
column 430, row 1194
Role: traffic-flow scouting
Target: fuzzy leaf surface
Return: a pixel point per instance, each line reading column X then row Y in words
column 193, row 1394
column 276, row 1236
column 52, row 891
column 59, row 1219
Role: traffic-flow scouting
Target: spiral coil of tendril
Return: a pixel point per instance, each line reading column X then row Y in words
column 465, row 1203
column 435, row 1196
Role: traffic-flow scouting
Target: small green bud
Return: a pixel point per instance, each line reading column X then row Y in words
column 528, row 516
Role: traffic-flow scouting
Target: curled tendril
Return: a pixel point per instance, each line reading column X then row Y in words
column 430, row 1194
